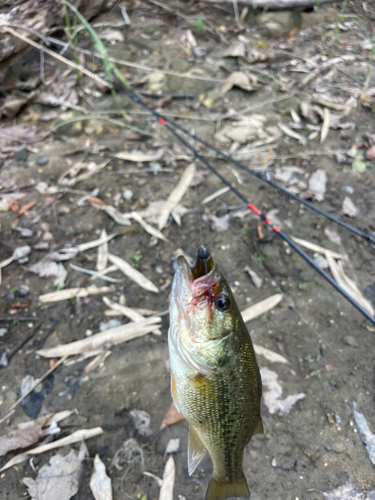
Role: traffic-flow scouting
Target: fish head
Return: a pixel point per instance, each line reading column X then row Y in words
column 203, row 311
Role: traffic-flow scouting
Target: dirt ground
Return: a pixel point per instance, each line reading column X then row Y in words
column 314, row 448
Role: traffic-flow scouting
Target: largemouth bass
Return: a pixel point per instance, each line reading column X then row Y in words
column 215, row 378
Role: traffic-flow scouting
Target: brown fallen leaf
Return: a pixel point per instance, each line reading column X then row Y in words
column 370, row 153
column 20, row 438
column 171, row 417
column 26, row 207
column 13, row 205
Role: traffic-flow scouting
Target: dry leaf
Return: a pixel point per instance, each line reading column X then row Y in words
column 317, row 184
column 111, row 336
column 216, row 194
column 176, row 195
column 349, row 208
column 58, row 480
column 261, row 307
column 20, row 438
column 49, row 268
column 95, row 274
column 100, row 483
column 102, row 256
column 151, row 230
column 71, row 293
column 142, row 422
column 166, row 490
column 332, row 235
column 272, row 392
column 241, row 80
column 132, row 314
column 238, row 49
column 141, row 157
column 26, row 207
column 326, row 125
column 367, row 436
column 271, row 356
column 171, row 417
column 317, row 248
column 132, row 273
column 288, row 131
column 254, row 277
column 91, row 244
column 76, row 437
column 91, row 169
column 348, row 491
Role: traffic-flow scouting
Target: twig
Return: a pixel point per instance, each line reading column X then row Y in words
column 62, row 59
column 35, row 384
column 275, row 4
column 25, row 339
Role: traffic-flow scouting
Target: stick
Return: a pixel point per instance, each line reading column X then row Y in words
column 35, row 384
column 275, row 4
column 62, row 59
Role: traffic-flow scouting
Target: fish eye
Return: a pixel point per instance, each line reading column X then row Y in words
column 222, row 302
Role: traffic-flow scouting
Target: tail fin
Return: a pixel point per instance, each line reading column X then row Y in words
column 218, row 490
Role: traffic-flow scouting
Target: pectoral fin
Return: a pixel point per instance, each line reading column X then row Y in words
column 174, row 392
column 259, row 427
column 196, row 450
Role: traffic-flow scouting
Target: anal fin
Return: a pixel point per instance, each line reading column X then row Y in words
column 196, row 450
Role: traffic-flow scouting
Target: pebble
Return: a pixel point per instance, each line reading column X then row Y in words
column 42, row 160
column 127, row 194
column 22, row 290
column 274, row 462
column 349, row 189
column 337, row 419
column 112, row 323
column 3, row 331
column 88, row 333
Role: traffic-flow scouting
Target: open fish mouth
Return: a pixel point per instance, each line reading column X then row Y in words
column 194, row 288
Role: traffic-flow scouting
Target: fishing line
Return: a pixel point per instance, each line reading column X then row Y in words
column 263, row 177
column 255, row 209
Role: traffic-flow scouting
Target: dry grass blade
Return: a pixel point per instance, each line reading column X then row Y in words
column 102, row 257
column 166, row 490
column 76, row 437
column 326, row 125
column 73, row 293
column 132, row 314
column 261, row 307
column 176, row 195
column 132, row 273
column 92, row 169
column 317, row 248
column 216, row 194
column 91, row 244
column 122, row 219
column 112, row 336
column 271, row 356
column 147, row 227
column 94, row 363
column 47, row 420
column 347, row 284
column 141, row 157
column 34, row 385
column 288, row 131
column 95, row 274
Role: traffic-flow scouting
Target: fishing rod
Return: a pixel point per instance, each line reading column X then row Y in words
column 254, row 208
column 263, row 177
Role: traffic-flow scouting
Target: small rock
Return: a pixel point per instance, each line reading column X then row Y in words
column 42, row 160
column 337, row 419
column 349, row 189
column 349, row 208
column 10, row 296
column 350, row 341
column 21, row 252
column 22, row 290
column 88, row 333
column 3, row 359
column 320, row 261
column 274, row 462
column 127, row 194
column 317, row 184
column 112, row 323
column 3, row 331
